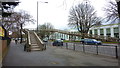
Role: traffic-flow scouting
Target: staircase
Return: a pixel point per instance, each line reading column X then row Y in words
column 34, row 43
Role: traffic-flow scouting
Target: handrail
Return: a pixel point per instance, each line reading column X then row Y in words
column 28, row 37
column 28, row 45
column 29, row 42
column 38, row 38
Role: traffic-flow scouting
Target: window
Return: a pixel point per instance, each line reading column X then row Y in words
column 116, row 32
column 101, row 32
column 96, row 32
column 108, row 32
column 116, row 35
column 90, row 31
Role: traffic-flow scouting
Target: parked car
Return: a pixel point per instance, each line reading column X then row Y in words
column 58, row 43
column 91, row 41
column 62, row 39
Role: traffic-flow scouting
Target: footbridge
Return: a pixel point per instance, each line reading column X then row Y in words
column 73, row 35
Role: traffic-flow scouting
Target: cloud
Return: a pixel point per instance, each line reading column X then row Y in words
column 56, row 11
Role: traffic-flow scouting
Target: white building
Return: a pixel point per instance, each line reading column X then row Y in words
column 110, row 30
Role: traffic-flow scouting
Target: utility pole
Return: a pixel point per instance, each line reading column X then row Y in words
column 38, row 11
column 118, row 4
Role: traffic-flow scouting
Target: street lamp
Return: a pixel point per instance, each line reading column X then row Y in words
column 118, row 4
column 37, row 11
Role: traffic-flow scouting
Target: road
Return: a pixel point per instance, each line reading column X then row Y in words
column 54, row 56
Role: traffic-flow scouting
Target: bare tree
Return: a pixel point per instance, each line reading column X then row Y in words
column 10, row 23
column 83, row 17
column 16, row 21
column 45, row 26
column 23, row 18
column 6, row 9
column 111, row 12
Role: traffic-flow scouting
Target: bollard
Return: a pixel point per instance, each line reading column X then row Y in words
column 83, row 47
column 97, row 49
column 73, row 46
column 66, row 45
column 25, row 47
column 116, row 52
column 45, row 46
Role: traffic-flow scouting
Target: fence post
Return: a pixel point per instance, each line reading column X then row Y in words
column 83, row 47
column 97, row 49
column 116, row 51
column 66, row 45
column 45, row 46
column 73, row 46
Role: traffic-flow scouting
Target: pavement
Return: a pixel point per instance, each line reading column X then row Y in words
column 54, row 56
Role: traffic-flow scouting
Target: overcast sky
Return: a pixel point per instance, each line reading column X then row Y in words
column 55, row 11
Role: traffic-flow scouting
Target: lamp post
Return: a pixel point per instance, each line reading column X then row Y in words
column 118, row 4
column 37, row 11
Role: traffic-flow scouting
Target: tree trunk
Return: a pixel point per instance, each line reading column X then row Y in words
column 82, row 36
column 21, row 33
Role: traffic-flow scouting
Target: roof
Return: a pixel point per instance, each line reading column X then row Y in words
column 10, row 3
column 9, row 0
column 105, row 26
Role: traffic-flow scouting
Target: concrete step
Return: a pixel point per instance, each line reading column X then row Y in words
column 35, row 46
column 35, row 49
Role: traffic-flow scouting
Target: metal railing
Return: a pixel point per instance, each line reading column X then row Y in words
column 107, row 50
column 104, row 50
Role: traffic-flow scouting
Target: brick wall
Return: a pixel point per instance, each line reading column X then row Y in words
column 3, row 48
column 0, row 51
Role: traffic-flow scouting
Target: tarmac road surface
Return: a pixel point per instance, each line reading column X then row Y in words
column 54, row 56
